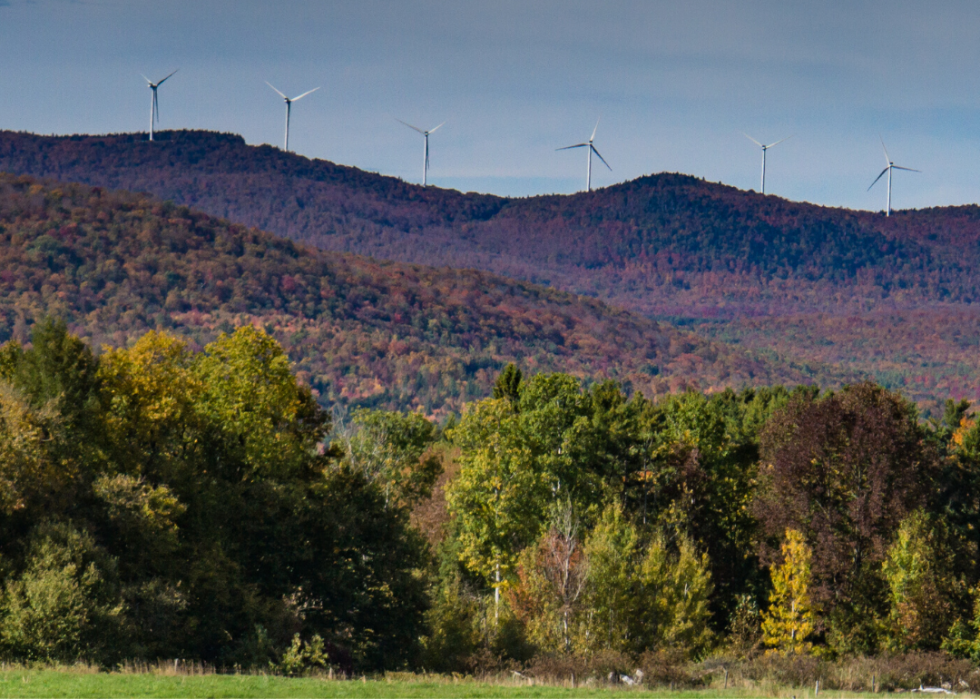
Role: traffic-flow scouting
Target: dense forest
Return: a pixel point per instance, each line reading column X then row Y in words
column 777, row 278
column 162, row 501
column 361, row 332
column 664, row 244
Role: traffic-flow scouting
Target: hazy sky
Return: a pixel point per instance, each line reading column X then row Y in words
column 676, row 84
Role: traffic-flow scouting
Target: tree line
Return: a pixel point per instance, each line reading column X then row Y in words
column 159, row 501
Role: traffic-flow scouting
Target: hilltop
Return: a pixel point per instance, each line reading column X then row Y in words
column 115, row 264
column 760, row 272
column 664, row 245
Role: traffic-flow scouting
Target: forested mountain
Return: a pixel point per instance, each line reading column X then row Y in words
column 116, row 264
column 663, row 244
column 666, row 246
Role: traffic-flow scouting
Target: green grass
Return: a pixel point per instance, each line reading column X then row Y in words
column 73, row 683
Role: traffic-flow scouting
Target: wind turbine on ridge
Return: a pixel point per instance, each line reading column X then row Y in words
column 888, row 168
column 154, row 105
column 764, row 149
column 591, row 149
column 425, row 135
column 289, row 105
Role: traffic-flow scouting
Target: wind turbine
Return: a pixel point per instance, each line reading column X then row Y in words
column 425, row 135
column 764, row 149
column 154, row 105
column 888, row 168
column 591, row 149
column 289, row 104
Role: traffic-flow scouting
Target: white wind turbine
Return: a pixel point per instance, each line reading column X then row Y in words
column 888, row 168
column 591, row 149
column 425, row 135
column 289, row 105
column 764, row 149
column 154, row 105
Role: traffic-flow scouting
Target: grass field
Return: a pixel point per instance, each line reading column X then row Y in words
column 71, row 683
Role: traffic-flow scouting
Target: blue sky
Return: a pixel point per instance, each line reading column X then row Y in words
column 675, row 83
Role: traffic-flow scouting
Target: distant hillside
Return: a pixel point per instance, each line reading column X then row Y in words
column 116, row 264
column 664, row 245
column 774, row 277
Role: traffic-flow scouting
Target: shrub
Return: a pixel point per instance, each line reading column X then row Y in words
column 668, row 668
column 65, row 605
column 303, row 657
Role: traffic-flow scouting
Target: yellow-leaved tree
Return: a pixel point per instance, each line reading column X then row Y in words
column 789, row 620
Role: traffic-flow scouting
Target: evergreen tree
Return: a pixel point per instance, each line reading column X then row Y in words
column 508, row 385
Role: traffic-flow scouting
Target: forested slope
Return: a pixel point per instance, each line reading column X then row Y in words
column 774, row 277
column 663, row 244
column 360, row 331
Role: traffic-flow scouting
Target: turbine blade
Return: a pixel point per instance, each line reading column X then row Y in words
column 277, row 91
column 600, row 157
column 780, row 141
column 156, row 107
column 594, row 130
column 148, row 81
column 166, row 78
column 410, row 126
column 887, row 158
column 435, row 129
column 752, row 139
column 577, row 145
column 294, row 99
column 878, row 178
column 899, row 167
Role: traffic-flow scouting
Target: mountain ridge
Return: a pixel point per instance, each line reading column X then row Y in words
column 661, row 245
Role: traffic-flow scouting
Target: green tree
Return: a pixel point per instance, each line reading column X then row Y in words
column 610, row 594
column 32, row 479
column 675, row 586
column 700, row 482
column 151, row 391
column 390, row 449
column 508, row 384
column 500, row 495
column 789, row 620
column 65, row 605
column 453, row 635
column 268, row 421
column 59, row 367
column 923, row 591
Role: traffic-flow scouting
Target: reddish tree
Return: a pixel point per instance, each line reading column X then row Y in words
column 844, row 469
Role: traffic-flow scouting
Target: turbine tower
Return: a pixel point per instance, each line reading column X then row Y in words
column 425, row 159
column 154, row 105
column 888, row 168
column 764, row 149
column 289, row 104
column 591, row 149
